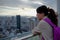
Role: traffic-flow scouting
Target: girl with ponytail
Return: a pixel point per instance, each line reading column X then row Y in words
column 43, row 28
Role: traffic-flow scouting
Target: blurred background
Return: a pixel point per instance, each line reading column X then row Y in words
column 18, row 17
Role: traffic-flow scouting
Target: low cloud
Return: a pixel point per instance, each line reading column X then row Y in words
column 18, row 3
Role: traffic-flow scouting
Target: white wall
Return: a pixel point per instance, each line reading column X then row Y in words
column 58, row 9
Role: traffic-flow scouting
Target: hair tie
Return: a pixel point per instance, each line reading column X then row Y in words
column 48, row 12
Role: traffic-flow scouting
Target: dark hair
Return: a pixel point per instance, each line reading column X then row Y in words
column 50, row 13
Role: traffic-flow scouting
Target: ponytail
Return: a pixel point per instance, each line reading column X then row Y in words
column 52, row 16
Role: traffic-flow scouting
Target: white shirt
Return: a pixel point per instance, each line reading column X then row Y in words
column 45, row 29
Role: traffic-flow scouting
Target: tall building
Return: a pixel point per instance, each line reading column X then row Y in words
column 18, row 18
column 17, row 23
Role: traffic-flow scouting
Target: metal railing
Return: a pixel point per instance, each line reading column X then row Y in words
column 28, row 37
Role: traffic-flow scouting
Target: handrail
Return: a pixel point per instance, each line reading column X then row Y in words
column 22, row 38
column 26, row 37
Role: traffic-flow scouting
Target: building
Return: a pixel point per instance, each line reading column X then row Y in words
column 17, row 24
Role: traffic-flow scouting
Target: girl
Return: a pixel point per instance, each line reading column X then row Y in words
column 43, row 28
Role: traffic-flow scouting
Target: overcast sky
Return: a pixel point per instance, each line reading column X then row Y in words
column 16, row 4
column 27, row 3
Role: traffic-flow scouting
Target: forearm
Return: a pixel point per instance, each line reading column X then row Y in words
column 36, row 33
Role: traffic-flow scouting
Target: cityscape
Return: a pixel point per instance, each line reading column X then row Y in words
column 12, row 25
